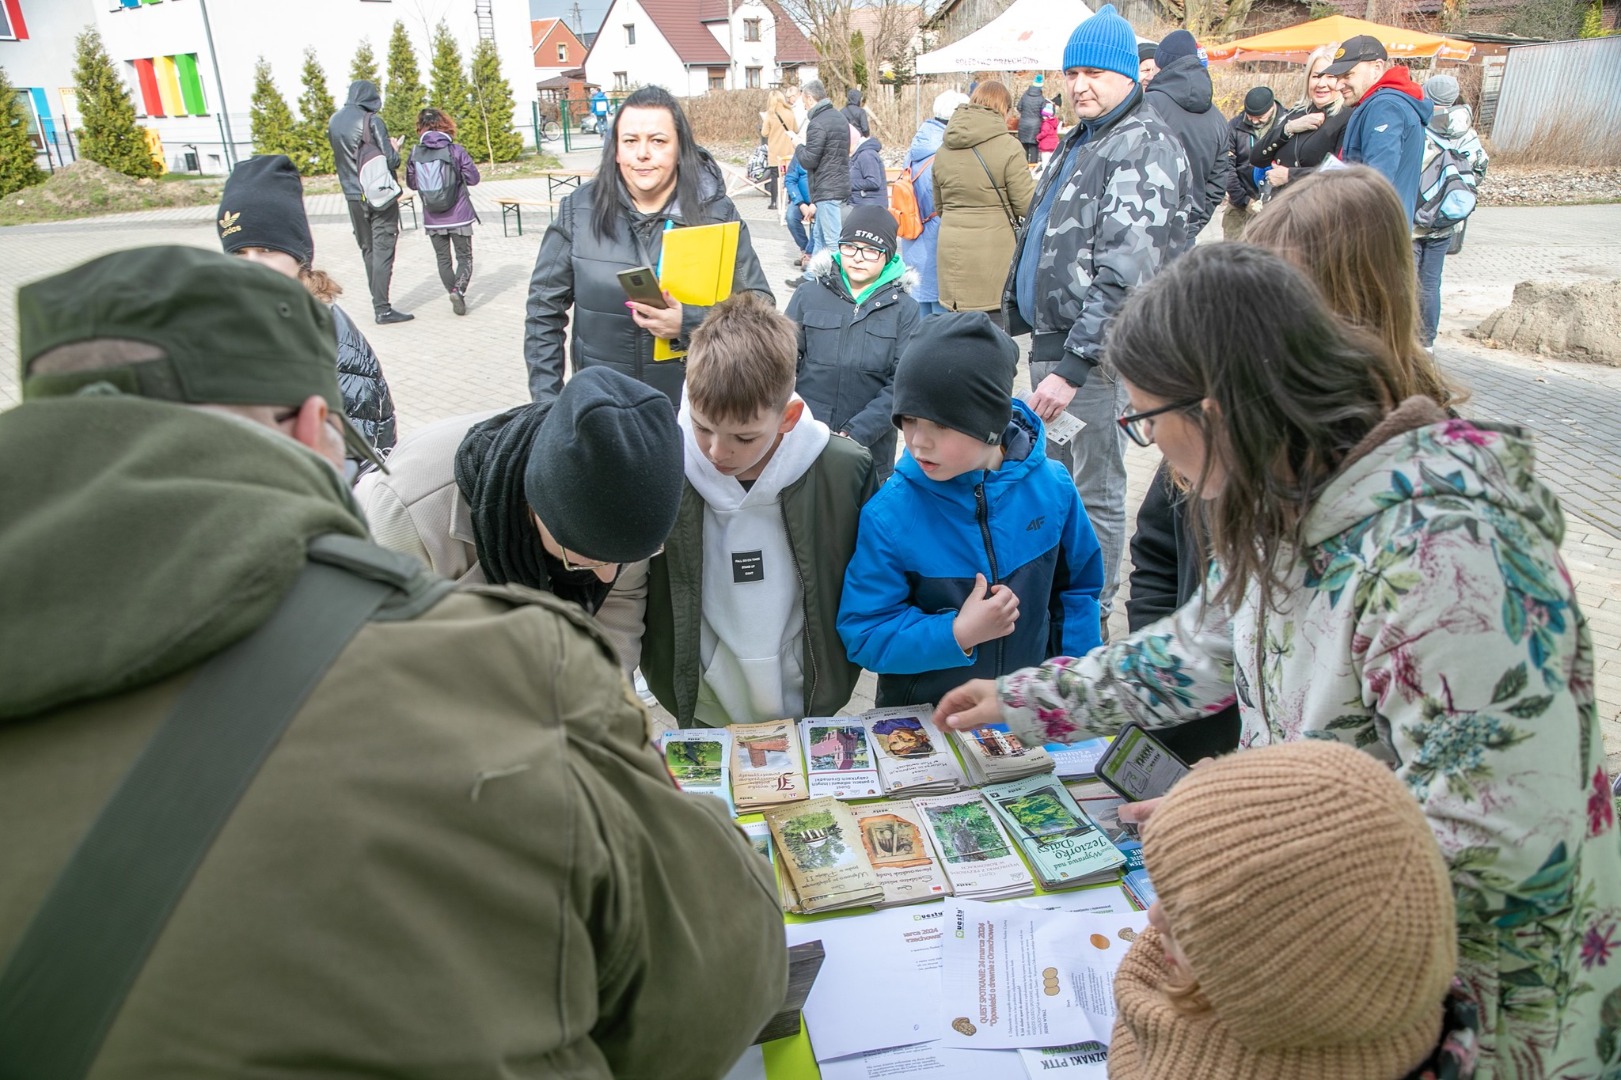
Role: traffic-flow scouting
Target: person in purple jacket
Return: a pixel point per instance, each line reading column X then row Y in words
column 440, row 171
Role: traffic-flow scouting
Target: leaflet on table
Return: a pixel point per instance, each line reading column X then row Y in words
column 992, row 753
column 838, row 758
column 911, row 755
column 931, row 1060
column 1012, row 977
column 1077, row 761
column 1102, row 804
column 1061, row 842
column 898, row 846
column 822, row 856
column 977, row 855
column 766, row 768
column 1078, row 1061
column 699, row 761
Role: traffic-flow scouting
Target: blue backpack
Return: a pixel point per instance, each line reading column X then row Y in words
column 438, row 180
column 1446, row 188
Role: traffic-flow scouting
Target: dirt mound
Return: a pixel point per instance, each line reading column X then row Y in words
column 1574, row 322
column 86, row 188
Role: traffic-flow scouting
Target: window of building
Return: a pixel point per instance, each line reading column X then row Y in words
column 12, row 27
column 621, row 80
column 25, row 101
column 562, row 53
column 630, row 33
column 751, row 29
column 751, row 78
column 717, row 78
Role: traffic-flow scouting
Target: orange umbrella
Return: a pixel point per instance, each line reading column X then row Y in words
column 1295, row 43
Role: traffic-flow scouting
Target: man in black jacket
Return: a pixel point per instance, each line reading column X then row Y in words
column 1180, row 94
column 376, row 231
column 1248, row 128
column 854, row 113
column 826, row 158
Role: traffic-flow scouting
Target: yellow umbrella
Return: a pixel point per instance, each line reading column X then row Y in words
column 1295, row 43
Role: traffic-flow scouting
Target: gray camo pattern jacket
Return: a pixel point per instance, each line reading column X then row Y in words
column 1122, row 214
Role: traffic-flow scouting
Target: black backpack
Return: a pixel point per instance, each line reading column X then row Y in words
column 439, row 181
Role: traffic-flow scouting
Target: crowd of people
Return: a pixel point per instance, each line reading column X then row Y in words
column 445, row 846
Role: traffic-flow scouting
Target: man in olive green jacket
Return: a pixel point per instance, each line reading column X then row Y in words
column 461, row 859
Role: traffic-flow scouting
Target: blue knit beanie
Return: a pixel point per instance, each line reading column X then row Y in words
column 1104, row 41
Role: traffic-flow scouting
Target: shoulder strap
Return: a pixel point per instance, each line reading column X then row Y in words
column 67, row 978
column 1012, row 220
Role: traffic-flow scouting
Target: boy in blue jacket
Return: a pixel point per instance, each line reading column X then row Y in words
column 796, row 186
column 977, row 558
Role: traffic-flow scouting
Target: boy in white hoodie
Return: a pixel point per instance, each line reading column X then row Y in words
column 743, row 604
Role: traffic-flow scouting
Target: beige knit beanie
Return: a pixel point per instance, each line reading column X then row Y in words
column 1306, row 890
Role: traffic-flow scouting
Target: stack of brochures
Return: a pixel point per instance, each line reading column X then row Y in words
column 993, row 754
column 824, row 866
column 912, row 757
column 1102, row 804
column 1077, row 761
column 975, row 851
column 1064, row 845
column 699, row 760
column 766, row 768
column 839, row 758
column 898, row 846
column 1135, row 881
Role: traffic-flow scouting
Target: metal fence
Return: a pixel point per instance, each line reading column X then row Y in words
column 1561, row 98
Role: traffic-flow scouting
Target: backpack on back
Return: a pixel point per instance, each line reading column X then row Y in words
column 438, row 180
column 909, row 219
column 378, row 188
column 1446, row 188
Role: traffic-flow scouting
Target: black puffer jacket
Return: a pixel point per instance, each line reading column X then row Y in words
column 343, row 131
column 826, row 153
column 1180, row 95
column 360, row 376
column 1030, row 103
column 577, row 268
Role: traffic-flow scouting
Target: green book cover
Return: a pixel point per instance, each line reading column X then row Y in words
column 1061, row 842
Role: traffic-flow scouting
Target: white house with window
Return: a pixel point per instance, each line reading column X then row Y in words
column 690, row 46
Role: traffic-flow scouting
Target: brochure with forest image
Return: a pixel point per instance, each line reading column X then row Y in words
column 992, row 754
column 699, row 761
column 1064, row 845
column 766, row 767
column 912, row 757
column 898, row 846
column 819, row 846
column 976, row 853
column 838, row 758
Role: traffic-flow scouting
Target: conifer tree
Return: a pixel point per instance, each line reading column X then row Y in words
column 450, row 90
column 17, row 168
column 364, row 65
column 858, row 59
column 110, row 135
column 315, row 107
column 274, row 131
column 404, row 97
column 493, row 137
column 1593, row 20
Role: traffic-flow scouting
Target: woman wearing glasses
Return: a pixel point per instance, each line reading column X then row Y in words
column 1308, row 134
column 1388, row 577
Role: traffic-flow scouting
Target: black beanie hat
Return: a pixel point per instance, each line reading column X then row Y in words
column 605, row 470
column 263, row 206
column 958, row 372
column 1258, row 101
column 870, row 225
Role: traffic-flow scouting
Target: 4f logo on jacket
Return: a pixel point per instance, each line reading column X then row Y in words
column 1035, row 523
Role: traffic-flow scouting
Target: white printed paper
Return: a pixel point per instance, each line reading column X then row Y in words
column 1078, row 1061
column 1061, row 428
column 928, row 1059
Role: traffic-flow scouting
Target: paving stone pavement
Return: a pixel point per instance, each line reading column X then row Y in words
column 443, row 365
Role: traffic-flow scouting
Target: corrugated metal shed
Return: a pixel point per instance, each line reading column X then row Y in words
column 1560, row 90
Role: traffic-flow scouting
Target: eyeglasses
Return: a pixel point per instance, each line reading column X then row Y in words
column 1140, row 427
column 572, row 565
column 862, row 252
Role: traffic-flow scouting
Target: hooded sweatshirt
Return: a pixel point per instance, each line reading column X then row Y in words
column 1386, row 132
column 1180, row 96
column 753, row 622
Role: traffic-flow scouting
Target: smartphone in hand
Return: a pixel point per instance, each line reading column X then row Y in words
column 1139, row 766
column 642, row 286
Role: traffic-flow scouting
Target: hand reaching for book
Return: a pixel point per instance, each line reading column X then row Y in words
column 985, row 616
column 973, row 704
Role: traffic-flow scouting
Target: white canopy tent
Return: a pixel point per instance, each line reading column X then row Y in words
column 1029, row 36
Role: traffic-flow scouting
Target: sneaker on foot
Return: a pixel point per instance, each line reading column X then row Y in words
column 458, row 303
column 796, row 282
column 394, row 315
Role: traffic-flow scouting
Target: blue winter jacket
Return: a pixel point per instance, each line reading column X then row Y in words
column 920, row 254
column 868, row 181
column 922, row 541
column 796, row 183
column 1386, row 133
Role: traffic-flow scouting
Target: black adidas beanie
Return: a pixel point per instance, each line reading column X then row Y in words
column 958, row 372
column 263, row 206
column 605, row 471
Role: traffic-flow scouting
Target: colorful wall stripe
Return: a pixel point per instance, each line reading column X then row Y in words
column 42, row 110
column 191, row 84
column 151, row 100
column 171, row 86
column 131, row 3
column 14, row 15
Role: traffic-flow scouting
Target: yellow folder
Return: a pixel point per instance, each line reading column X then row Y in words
column 696, row 268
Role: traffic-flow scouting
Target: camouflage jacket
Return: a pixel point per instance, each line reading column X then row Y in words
column 1121, row 215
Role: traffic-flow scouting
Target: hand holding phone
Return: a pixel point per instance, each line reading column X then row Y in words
column 1139, row 766
column 642, row 286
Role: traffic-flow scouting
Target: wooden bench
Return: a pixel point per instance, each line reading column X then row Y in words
column 513, row 208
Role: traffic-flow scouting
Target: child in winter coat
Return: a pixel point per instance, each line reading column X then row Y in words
column 742, row 604
column 868, row 184
column 1047, row 136
column 854, row 320
column 977, row 555
column 796, row 193
column 441, row 170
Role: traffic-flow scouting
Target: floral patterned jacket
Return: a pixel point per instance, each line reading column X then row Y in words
column 1432, row 623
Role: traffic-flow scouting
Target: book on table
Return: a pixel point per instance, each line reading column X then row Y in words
column 822, row 858
column 838, row 758
column 699, row 760
column 766, row 767
column 898, row 846
column 912, row 757
column 1063, row 845
column 1102, row 804
column 976, row 853
column 991, row 754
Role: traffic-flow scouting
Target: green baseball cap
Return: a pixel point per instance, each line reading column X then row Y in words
column 231, row 332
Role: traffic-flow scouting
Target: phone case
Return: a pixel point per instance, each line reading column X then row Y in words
column 1124, row 744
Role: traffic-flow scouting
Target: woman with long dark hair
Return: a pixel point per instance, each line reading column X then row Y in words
column 653, row 177
column 1388, row 577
